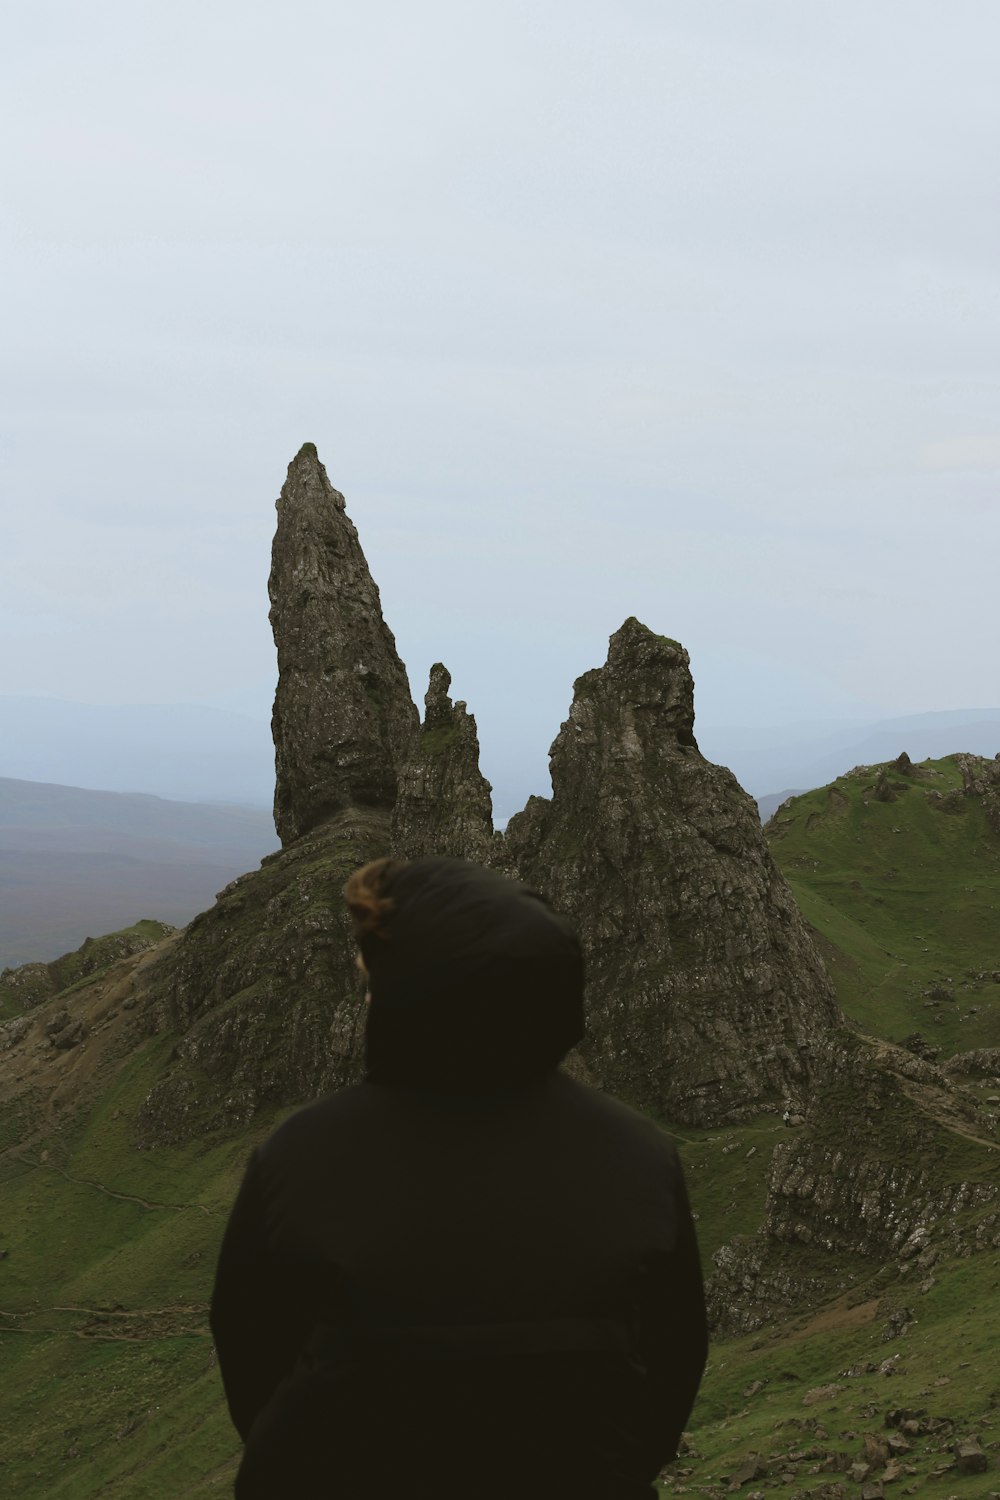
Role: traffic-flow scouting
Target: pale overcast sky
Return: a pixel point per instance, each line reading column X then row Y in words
column 688, row 309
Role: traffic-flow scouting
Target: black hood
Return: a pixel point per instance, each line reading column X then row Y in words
column 476, row 984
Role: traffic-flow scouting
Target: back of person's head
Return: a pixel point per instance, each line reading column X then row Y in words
column 476, row 983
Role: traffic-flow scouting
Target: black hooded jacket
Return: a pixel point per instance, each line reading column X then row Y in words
column 468, row 1276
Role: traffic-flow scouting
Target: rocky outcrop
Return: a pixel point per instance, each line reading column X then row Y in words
column 343, row 717
column 32, row 984
column 981, row 779
column 444, row 804
column 982, row 1062
column 705, row 991
column 893, row 1168
column 262, row 989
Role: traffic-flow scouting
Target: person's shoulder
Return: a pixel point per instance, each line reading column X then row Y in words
column 332, row 1113
column 612, row 1114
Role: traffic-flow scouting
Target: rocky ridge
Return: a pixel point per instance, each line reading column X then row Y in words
column 27, row 985
column 888, row 1168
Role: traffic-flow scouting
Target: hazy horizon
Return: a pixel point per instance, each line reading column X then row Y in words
column 690, row 313
column 197, row 753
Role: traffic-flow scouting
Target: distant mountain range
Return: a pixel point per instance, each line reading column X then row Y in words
column 810, row 755
column 185, row 751
column 193, row 753
column 76, row 863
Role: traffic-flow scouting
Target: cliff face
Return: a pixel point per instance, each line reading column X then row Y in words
column 343, row 716
column 705, row 992
column 262, row 988
column 889, row 1170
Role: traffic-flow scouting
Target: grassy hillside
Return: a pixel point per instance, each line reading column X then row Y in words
column 105, row 1359
column 905, row 896
column 108, row 1381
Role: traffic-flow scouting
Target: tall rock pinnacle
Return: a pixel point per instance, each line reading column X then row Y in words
column 343, row 716
column 704, row 988
column 444, row 804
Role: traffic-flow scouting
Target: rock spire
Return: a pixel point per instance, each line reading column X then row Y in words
column 343, row 716
column 704, row 988
column 444, row 804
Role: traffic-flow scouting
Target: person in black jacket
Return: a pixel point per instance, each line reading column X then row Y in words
column 469, row 1275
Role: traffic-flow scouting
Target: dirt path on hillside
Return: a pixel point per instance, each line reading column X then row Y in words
column 100, row 1187
column 121, row 1325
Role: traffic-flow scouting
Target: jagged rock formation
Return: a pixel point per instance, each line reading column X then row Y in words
column 343, row 716
column 444, row 804
column 895, row 1167
column 263, row 989
column 705, row 990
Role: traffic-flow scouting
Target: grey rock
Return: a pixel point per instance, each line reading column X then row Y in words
column 13, row 1032
column 65, row 1031
column 752, row 1468
column 705, row 990
column 981, row 778
column 343, row 716
column 263, row 989
column 983, row 1062
column 444, row 804
column 883, row 790
column 969, row 1457
column 864, row 1182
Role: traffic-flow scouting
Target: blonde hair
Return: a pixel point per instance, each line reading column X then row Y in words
column 365, row 895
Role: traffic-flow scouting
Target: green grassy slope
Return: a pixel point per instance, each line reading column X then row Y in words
column 105, row 1359
column 905, row 897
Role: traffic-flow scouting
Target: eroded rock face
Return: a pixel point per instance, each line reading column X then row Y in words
column 704, row 988
column 263, row 990
column 444, row 804
column 343, row 716
column 981, row 779
column 869, row 1179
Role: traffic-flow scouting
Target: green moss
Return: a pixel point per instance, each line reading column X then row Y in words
column 438, row 741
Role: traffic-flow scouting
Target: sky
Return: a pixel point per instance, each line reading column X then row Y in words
column 686, row 309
